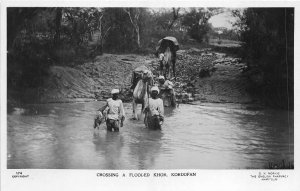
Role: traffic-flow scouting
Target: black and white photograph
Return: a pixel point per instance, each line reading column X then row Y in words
column 149, row 88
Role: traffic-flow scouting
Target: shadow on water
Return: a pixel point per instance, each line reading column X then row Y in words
column 270, row 135
column 259, row 138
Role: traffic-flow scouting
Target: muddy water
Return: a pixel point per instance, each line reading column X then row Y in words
column 207, row 136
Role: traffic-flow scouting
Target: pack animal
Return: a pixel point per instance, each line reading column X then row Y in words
column 141, row 92
column 166, row 60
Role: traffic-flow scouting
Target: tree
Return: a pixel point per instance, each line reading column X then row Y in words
column 268, row 36
column 134, row 16
column 103, row 28
column 166, row 18
column 16, row 17
column 121, row 36
column 58, row 18
column 196, row 21
column 29, row 42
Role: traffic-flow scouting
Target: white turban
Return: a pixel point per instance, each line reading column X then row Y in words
column 115, row 91
column 161, row 77
column 155, row 88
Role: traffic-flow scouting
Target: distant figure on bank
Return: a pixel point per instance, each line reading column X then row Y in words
column 115, row 114
column 154, row 112
column 167, row 93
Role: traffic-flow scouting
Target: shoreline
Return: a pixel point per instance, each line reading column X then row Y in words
column 206, row 76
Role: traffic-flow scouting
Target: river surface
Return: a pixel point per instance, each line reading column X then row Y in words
column 205, row 136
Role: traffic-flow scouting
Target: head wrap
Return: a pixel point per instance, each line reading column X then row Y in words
column 115, row 91
column 155, row 88
column 161, row 77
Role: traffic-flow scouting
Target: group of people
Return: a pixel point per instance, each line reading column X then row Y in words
column 162, row 94
column 154, row 111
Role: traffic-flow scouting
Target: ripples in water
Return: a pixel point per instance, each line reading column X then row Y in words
column 208, row 136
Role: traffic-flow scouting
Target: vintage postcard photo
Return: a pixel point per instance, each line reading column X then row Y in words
column 149, row 88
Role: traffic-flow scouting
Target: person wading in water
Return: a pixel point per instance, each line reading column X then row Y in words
column 154, row 111
column 115, row 114
column 166, row 90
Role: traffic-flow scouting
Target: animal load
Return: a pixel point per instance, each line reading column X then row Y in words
column 166, row 51
column 137, row 74
column 140, row 90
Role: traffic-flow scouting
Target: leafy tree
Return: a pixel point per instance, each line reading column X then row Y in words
column 166, row 18
column 229, row 34
column 58, row 18
column 102, row 27
column 29, row 40
column 196, row 21
column 121, row 35
column 128, row 28
column 134, row 16
column 16, row 19
column 268, row 34
column 40, row 37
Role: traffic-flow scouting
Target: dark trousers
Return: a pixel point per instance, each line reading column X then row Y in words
column 112, row 124
column 153, row 122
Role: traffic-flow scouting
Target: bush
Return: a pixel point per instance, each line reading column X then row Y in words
column 269, row 46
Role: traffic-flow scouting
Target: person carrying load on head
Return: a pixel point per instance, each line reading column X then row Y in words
column 154, row 117
column 115, row 114
column 166, row 87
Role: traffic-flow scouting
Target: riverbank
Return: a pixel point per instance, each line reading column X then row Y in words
column 203, row 74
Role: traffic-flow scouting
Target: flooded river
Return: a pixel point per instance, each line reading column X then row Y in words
column 206, row 136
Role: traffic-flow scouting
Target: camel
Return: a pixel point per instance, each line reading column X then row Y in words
column 141, row 92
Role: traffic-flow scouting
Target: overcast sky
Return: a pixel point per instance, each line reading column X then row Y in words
column 222, row 20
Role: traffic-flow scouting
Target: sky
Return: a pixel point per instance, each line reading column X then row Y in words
column 222, row 20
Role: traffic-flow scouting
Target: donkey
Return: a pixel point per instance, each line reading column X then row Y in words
column 166, row 59
column 141, row 92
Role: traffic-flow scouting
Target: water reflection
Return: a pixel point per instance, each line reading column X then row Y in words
column 145, row 146
column 170, row 111
column 207, row 136
column 109, row 146
column 270, row 135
